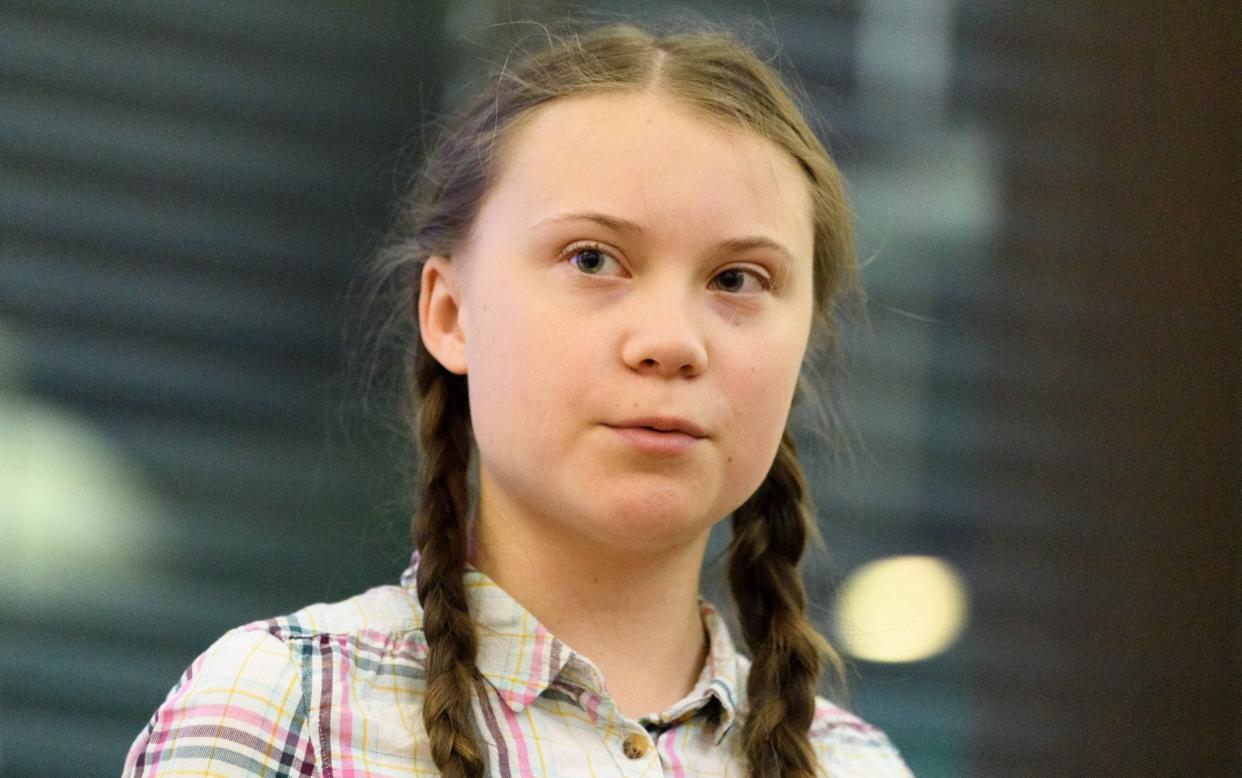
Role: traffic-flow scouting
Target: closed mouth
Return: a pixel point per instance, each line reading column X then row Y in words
column 668, row 424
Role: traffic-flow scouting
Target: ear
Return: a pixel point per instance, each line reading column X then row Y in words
column 441, row 318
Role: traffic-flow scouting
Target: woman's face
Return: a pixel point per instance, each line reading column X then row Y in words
column 633, row 267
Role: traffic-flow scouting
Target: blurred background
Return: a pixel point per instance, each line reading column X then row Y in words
column 1033, row 556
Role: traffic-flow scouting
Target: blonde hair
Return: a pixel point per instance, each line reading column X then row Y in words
column 723, row 81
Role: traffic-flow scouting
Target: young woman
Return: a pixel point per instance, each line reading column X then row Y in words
column 615, row 260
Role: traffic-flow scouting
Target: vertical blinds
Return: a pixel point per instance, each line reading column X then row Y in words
column 187, row 190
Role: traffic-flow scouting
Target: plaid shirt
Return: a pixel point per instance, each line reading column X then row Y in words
column 334, row 690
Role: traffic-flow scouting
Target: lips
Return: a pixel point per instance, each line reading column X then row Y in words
column 663, row 438
column 662, row 424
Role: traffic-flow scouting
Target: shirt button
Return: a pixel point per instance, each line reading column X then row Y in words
column 634, row 746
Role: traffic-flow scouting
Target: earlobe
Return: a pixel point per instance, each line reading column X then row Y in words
column 440, row 314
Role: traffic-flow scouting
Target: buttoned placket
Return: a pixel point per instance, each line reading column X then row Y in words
column 641, row 748
column 637, row 745
column 634, row 744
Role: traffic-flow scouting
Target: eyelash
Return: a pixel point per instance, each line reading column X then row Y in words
column 576, row 248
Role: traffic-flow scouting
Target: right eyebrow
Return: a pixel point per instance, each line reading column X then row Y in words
column 614, row 223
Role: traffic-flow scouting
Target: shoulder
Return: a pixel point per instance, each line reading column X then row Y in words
column 845, row 745
column 848, row 746
column 235, row 711
column 246, row 706
column 383, row 610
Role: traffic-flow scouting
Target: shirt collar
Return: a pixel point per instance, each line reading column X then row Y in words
column 520, row 658
column 723, row 674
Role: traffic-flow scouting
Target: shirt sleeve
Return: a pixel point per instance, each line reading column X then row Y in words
column 848, row 747
column 869, row 754
column 238, row 710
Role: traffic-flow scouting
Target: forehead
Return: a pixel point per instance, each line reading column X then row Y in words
column 645, row 158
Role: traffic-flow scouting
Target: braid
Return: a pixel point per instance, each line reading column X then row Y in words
column 769, row 534
column 441, row 539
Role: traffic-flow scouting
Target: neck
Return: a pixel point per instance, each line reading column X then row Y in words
column 636, row 617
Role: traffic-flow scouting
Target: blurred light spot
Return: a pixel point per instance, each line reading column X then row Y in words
column 901, row 609
column 75, row 512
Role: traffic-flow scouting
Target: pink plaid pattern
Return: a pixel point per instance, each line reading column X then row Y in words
column 333, row 691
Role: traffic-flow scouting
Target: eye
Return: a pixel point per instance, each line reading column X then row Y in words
column 591, row 259
column 739, row 280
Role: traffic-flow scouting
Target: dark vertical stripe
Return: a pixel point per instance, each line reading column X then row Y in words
column 325, row 704
column 141, row 763
column 502, row 748
column 289, row 757
column 554, row 661
column 308, row 758
column 290, row 627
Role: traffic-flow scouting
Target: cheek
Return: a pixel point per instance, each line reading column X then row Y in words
column 520, row 371
column 760, row 393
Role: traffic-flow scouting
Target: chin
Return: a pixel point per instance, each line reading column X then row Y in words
column 641, row 519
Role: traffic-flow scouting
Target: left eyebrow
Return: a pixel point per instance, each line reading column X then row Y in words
column 625, row 226
column 737, row 245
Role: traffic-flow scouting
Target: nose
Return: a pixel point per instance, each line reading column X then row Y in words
column 665, row 340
